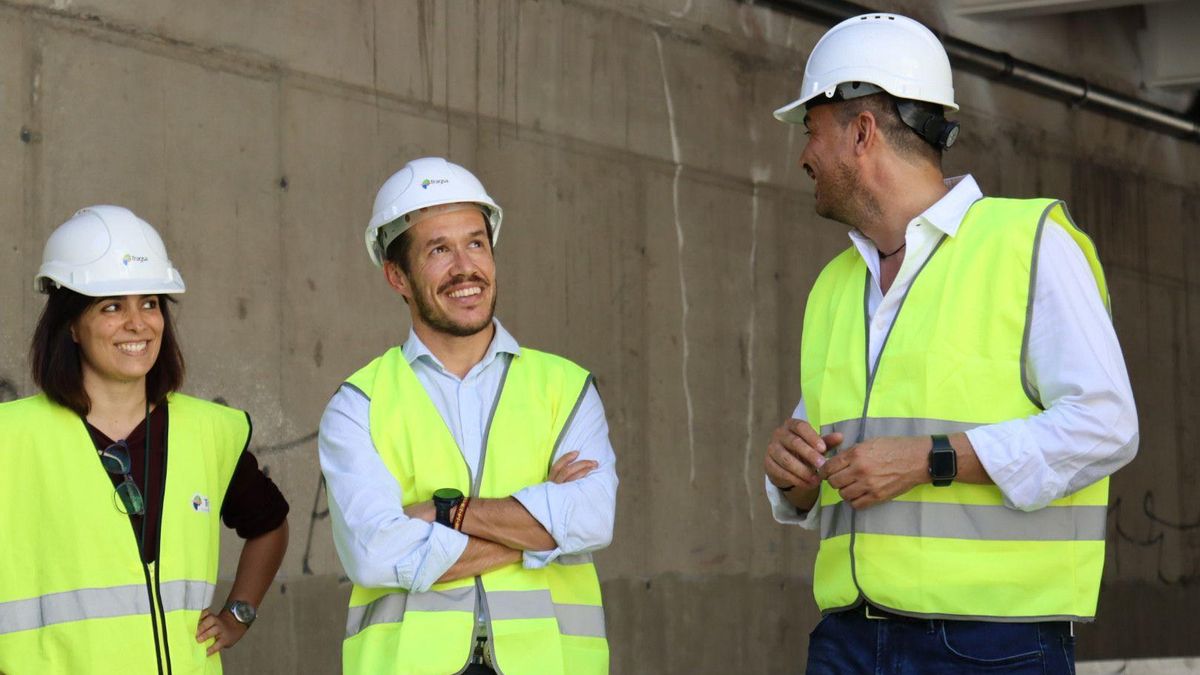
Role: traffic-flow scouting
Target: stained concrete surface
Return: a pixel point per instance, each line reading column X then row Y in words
column 657, row 230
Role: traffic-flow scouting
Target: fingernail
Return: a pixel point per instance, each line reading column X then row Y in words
column 821, row 446
column 820, row 462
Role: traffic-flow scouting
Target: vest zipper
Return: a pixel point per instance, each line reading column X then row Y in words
column 150, row 568
column 150, row 595
column 871, row 372
column 162, row 612
column 480, row 594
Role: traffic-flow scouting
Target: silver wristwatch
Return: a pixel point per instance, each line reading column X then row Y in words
column 242, row 611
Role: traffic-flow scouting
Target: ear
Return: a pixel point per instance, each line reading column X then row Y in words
column 864, row 131
column 397, row 279
column 74, row 337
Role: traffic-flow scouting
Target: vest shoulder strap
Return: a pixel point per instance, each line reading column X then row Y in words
column 547, row 365
column 1035, row 213
column 363, row 379
column 23, row 410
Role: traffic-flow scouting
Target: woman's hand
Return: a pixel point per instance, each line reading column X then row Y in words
column 226, row 629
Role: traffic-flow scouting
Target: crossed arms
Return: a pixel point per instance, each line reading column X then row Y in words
column 383, row 545
column 499, row 531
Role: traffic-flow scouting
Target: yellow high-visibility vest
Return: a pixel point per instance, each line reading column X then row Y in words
column 953, row 360
column 75, row 596
column 548, row 620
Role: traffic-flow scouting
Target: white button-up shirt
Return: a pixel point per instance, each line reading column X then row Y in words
column 1089, row 426
column 382, row 547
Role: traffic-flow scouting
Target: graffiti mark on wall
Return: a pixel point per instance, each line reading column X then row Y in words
column 320, row 508
column 320, row 511
column 1157, row 529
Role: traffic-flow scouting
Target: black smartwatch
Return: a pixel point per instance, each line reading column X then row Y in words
column 943, row 462
column 444, row 501
column 242, row 611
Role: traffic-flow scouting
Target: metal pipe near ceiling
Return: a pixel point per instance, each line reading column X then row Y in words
column 1003, row 67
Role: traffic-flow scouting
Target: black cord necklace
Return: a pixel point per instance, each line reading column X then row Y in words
column 883, row 255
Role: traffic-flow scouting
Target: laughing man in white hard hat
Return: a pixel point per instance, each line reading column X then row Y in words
column 964, row 397
column 469, row 478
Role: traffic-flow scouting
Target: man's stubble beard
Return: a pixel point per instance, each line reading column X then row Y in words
column 443, row 324
column 845, row 200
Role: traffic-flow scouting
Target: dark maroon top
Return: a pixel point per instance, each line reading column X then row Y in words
column 253, row 504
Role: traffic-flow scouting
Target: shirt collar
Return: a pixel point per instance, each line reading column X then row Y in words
column 502, row 343
column 947, row 213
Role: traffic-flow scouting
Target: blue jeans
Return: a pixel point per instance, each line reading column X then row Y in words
column 848, row 643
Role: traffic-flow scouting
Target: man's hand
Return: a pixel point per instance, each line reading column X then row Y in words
column 795, row 454
column 566, row 469
column 421, row 511
column 879, row 469
column 222, row 626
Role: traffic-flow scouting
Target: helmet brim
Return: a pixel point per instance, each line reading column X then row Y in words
column 116, row 288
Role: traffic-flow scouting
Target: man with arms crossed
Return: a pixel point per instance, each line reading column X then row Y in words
column 964, row 398
column 469, row 478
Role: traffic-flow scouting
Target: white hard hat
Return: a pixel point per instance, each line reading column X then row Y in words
column 107, row 250
column 890, row 51
column 422, row 183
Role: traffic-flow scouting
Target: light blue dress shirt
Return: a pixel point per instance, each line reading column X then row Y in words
column 380, row 546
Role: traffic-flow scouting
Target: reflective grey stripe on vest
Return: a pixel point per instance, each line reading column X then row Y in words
column 584, row 620
column 893, row 426
column 100, row 603
column 183, row 594
column 574, row 559
column 953, row 521
column 391, row 607
column 580, row 620
column 968, row 521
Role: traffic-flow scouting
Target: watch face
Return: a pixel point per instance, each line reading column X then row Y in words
column 447, row 494
column 942, row 464
column 243, row 611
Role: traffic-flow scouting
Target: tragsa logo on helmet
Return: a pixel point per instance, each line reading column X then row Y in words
column 435, row 181
column 130, row 258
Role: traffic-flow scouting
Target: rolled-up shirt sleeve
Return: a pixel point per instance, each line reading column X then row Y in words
column 1088, row 428
column 379, row 546
column 579, row 514
column 783, row 510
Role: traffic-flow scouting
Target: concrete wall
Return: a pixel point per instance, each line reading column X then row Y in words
column 657, row 230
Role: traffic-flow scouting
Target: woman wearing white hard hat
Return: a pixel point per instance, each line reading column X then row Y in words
column 113, row 483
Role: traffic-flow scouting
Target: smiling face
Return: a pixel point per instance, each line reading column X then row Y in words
column 119, row 337
column 826, row 159
column 450, row 283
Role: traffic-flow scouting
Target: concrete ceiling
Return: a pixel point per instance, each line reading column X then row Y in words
column 1169, row 44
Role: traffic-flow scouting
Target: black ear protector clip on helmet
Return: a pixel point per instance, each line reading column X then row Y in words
column 935, row 129
column 931, row 126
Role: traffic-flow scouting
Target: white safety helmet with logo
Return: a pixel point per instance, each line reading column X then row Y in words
column 107, row 251
column 867, row 54
column 422, row 184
